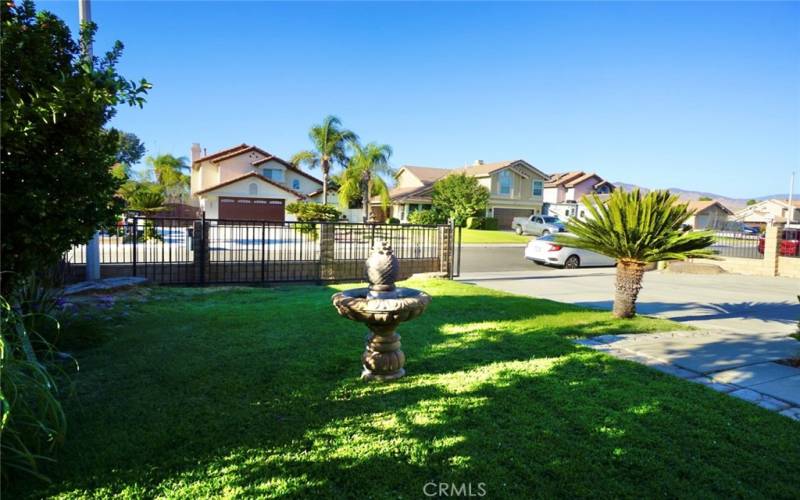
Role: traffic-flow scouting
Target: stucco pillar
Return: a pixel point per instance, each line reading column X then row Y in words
column 327, row 251
column 772, row 245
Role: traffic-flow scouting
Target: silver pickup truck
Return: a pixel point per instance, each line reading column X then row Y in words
column 538, row 225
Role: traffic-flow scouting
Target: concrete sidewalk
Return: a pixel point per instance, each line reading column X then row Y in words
column 742, row 322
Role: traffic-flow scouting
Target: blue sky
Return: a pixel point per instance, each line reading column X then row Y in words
column 702, row 96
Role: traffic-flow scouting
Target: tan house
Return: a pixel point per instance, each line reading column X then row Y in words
column 768, row 212
column 247, row 183
column 516, row 189
column 708, row 214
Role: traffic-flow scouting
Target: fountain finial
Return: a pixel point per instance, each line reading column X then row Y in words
column 382, row 268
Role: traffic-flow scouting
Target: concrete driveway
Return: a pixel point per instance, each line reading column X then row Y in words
column 731, row 302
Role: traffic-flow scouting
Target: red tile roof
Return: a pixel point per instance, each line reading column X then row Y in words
column 223, row 152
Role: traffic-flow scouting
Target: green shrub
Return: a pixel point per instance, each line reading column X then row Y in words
column 490, row 223
column 425, row 217
column 475, row 222
column 33, row 422
column 393, row 220
column 308, row 211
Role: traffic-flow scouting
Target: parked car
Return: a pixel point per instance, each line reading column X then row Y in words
column 545, row 250
column 537, row 225
column 790, row 242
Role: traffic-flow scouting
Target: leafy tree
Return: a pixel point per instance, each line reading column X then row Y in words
column 636, row 230
column 56, row 156
column 130, row 150
column 363, row 175
column 704, row 198
column 148, row 202
column 330, row 142
column 169, row 173
column 460, row 196
column 751, row 202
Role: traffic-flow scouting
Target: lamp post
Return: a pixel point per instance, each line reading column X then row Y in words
column 93, row 246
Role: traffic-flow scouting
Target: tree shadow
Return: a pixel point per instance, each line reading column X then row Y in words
column 254, row 399
column 780, row 312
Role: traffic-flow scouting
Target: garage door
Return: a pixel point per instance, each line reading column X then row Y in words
column 251, row 208
column 504, row 216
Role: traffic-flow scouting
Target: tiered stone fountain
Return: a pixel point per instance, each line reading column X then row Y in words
column 382, row 306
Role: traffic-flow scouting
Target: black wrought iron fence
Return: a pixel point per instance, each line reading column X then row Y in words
column 179, row 250
column 738, row 244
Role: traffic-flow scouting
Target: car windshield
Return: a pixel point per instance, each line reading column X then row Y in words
column 548, row 237
column 551, row 219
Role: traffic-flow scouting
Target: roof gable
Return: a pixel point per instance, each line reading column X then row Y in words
column 255, row 176
column 220, row 153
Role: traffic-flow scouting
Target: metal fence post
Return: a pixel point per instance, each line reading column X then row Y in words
column 135, row 238
column 203, row 247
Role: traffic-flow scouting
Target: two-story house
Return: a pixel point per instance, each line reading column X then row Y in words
column 563, row 192
column 768, row 212
column 247, row 183
column 516, row 189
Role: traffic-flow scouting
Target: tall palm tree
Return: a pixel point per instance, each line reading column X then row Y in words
column 169, row 173
column 330, row 142
column 362, row 176
column 636, row 230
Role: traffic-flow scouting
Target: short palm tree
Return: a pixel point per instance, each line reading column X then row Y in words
column 330, row 142
column 363, row 175
column 636, row 230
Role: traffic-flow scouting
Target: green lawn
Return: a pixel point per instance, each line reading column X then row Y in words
column 489, row 237
column 255, row 393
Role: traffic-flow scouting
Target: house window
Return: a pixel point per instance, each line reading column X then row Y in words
column 273, row 174
column 505, row 181
column 538, row 186
column 252, row 189
column 295, row 184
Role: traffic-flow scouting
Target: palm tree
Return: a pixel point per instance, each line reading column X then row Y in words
column 362, row 176
column 635, row 229
column 330, row 143
column 169, row 173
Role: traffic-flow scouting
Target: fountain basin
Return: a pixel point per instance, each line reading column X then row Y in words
column 381, row 312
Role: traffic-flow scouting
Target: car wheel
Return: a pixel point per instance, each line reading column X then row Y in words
column 572, row 262
column 518, row 230
column 545, row 232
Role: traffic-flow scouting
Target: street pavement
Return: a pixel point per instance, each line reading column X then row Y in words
column 497, row 258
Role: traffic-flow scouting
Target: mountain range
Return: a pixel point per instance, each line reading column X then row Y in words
column 685, row 194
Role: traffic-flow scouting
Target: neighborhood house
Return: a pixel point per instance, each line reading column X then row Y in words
column 516, row 189
column 247, row 183
column 708, row 214
column 769, row 212
column 563, row 193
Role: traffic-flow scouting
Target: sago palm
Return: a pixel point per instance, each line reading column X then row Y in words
column 363, row 175
column 330, row 142
column 636, row 230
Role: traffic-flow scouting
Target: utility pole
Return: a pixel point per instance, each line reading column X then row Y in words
column 93, row 246
column 791, row 195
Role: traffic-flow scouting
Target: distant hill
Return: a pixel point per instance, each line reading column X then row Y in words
column 732, row 203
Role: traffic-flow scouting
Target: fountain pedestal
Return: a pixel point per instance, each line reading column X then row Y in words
column 382, row 307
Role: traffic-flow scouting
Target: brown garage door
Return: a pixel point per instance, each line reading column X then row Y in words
column 504, row 216
column 251, row 208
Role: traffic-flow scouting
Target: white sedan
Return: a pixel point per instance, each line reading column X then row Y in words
column 546, row 251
